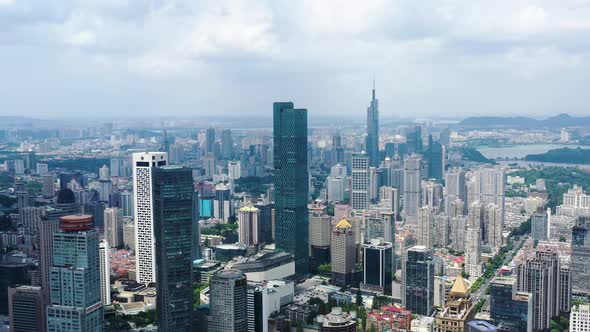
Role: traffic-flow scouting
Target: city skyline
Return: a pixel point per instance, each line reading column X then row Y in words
column 207, row 58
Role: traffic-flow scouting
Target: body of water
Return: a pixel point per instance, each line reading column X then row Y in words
column 520, row 151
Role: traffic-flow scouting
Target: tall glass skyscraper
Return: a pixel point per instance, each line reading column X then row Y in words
column 418, row 280
column 291, row 182
column 75, row 277
column 581, row 257
column 174, row 212
column 373, row 131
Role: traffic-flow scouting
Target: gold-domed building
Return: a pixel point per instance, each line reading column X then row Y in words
column 458, row 310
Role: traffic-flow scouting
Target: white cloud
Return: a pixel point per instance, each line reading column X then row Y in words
column 417, row 49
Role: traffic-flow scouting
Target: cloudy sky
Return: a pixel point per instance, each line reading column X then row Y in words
column 435, row 58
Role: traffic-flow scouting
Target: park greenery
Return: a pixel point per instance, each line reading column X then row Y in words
column 472, row 154
column 79, row 164
column 557, row 180
column 253, row 185
column 197, row 293
column 224, row 230
column 564, row 155
column 126, row 322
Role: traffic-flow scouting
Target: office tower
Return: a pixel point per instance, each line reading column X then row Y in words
column 425, row 236
column 458, row 309
column 26, row 309
column 580, row 318
column 291, row 182
column 104, row 173
column 458, row 230
column 435, row 158
column 227, row 144
column 228, row 298
column 378, row 269
column 143, row 165
column 417, row 289
column 455, row 188
column 22, row 195
column 580, row 263
column 265, row 299
column 249, row 225
column 441, row 230
column 540, row 275
column 265, row 220
column 374, row 184
column 320, row 232
column 412, row 186
column 565, row 288
column 113, row 221
column 373, row 131
column 105, row 272
column 210, row 140
column 539, row 225
column 493, row 226
column 414, row 140
column 338, row 170
column 337, row 321
column 575, row 203
column 234, row 169
column 343, row 253
column 13, row 271
column 432, row 194
column 48, row 190
column 388, row 220
column 390, row 197
column 29, row 160
column 30, row 218
column 129, row 233
column 126, row 203
column 489, row 186
column 67, row 179
column 360, row 182
column 397, row 178
column 335, row 189
column 75, row 277
column 473, row 241
column 48, row 225
column 105, row 188
column 509, row 307
column 19, row 167
column 222, row 205
column 209, row 162
column 174, row 219
column 455, row 208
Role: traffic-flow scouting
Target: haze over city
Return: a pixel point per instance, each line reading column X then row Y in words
column 435, row 59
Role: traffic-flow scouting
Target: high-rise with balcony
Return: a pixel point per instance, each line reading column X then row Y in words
column 145, row 256
column 291, row 182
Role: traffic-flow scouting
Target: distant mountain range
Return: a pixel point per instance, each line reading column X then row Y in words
column 558, row 121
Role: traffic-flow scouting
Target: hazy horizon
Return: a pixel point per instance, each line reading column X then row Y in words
column 190, row 59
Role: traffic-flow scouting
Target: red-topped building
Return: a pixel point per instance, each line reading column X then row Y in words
column 390, row 318
column 76, row 222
